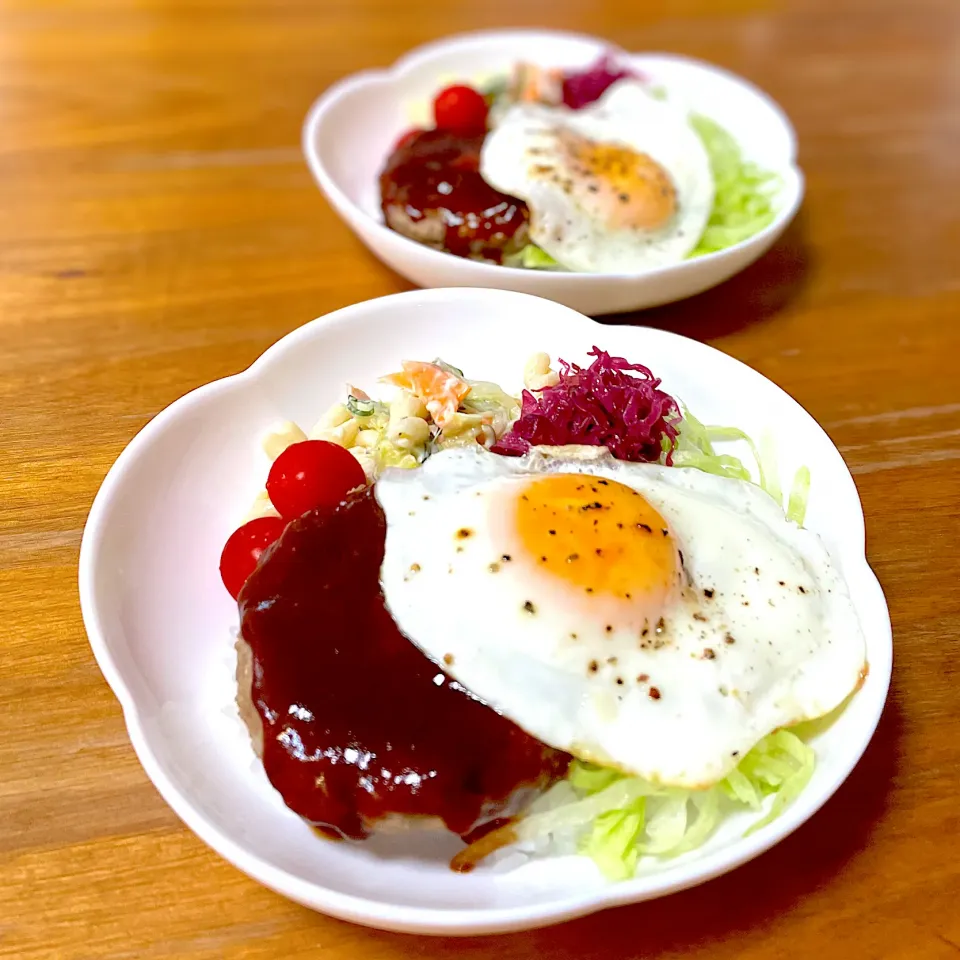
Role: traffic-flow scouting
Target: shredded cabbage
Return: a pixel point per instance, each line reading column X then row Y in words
column 743, row 201
column 799, row 496
column 613, row 842
column 617, row 819
column 693, row 447
column 532, row 257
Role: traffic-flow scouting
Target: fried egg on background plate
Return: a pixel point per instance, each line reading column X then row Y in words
column 655, row 619
column 617, row 187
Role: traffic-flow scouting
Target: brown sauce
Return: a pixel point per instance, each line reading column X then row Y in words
column 435, row 176
column 358, row 723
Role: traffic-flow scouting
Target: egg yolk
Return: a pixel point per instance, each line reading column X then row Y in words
column 626, row 189
column 599, row 537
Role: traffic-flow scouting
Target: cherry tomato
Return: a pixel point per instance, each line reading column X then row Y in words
column 460, row 110
column 242, row 551
column 314, row 473
column 406, row 138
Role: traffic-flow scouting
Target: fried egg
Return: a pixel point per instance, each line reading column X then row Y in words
column 654, row 619
column 617, row 187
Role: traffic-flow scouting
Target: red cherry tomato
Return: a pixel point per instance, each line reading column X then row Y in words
column 242, row 551
column 460, row 110
column 406, row 138
column 314, row 473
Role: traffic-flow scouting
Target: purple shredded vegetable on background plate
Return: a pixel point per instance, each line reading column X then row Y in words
column 583, row 87
column 610, row 403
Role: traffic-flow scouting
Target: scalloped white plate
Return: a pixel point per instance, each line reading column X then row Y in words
column 351, row 128
column 162, row 626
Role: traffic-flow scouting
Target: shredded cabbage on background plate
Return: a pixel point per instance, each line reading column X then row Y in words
column 532, row 257
column 743, row 199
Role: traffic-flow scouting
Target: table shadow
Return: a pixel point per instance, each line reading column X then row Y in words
column 749, row 897
column 753, row 296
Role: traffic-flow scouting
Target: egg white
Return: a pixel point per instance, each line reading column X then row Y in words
column 568, row 227
column 798, row 653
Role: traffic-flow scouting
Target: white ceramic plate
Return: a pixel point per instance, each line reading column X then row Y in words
column 351, row 129
column 162, row 626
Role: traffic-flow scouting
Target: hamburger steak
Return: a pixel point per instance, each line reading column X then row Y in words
column 353, row 723
column 431, row 191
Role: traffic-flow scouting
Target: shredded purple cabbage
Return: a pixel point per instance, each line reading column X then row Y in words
column 611, row 403
column 585, row 86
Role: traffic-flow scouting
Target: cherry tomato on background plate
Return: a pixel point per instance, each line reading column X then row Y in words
column 461, row 110
column 311, row 474
column 243, row 549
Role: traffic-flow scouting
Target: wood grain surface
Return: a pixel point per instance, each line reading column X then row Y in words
column 158, row 229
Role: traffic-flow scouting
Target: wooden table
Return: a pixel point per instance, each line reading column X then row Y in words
column 158, row 229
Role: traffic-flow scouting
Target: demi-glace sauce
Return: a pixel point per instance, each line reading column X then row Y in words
column 358, row 723
column 437, row 174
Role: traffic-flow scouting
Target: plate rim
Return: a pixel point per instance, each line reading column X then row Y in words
column 346, row 207
column 442, row 920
